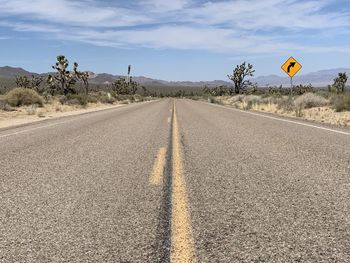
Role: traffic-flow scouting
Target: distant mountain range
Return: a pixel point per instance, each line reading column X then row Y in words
column 317, row 79
column 320, row 78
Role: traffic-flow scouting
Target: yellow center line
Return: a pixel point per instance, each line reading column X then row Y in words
column 182, row 244
column 156, row 177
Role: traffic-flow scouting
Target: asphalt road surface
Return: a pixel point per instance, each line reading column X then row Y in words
column 174, row 181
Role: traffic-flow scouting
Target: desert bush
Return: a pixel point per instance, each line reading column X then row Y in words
column 323, row 93
column 302, row 89
column 106, row 99
column 23, row 97
column 214, row 100
column 77, row 99
column 265, row 100
column 284, row 103
column 217, row 91
column 210, row 99
column 237, row 98
column 249, row 105
column 341, row 102
column 310, row 100
column 123, row 97
column 4, row 105
column 91, row 99
column 253, row 99
column 138, row 98
column 191, row 97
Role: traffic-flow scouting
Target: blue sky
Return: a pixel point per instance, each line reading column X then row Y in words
column 178, row 39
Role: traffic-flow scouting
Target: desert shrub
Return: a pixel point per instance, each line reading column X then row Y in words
column 237, row 98
column 123, row 97
column 4, row 105
column 106, row 99
column 302, row 89
column 214, row 100
column 285, row 103
column 138, row 98
column 310, row 100
column 265, row 100
column 341, row 102
column 23, row 97
column 77, row 99
column 323, row 93
column 252, row 99
column 196, row 97
column 103, row 97
column 91, row 99
column 249, row 105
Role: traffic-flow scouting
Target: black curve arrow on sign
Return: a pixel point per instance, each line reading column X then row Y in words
column 291, row 65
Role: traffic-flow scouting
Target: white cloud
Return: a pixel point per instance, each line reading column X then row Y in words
column 76, row 13
column 267, row 14
column 164, row 6
column 221, row 26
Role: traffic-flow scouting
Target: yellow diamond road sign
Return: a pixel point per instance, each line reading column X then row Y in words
column 291, row 67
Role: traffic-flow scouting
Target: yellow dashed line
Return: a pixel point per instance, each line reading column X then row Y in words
column 158, row 168
column 182, row 244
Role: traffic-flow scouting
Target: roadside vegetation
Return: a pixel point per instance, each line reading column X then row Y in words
column 67, row 89
column 330, row 105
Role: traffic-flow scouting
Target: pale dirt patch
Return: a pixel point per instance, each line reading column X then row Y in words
column 29, row 114
column 323, row 114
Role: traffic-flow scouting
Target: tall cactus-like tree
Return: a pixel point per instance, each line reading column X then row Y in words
column 83, row 76
column 33, row 83
column 240, row 73
column 22, row 82
column 63, row 80
column 339, row 83
column 132, row 86
column 122, row 87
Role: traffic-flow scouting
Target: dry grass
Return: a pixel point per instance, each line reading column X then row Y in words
column 310, row 107
column 310, row 100
column 23, row 97
column 27, row 114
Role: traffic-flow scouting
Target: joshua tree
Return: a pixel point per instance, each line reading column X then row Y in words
column 239, row 74
column 22, row 82
column 132, row 86
column 339, row 83
column 145, row 91
column 64, row 80
column 217, row 91
column 35, row 83
column 83, row 76
column 122, row 87
column 301, row 89
column 25, row 82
